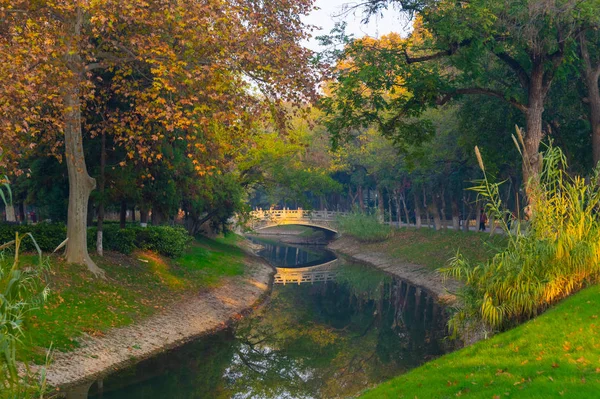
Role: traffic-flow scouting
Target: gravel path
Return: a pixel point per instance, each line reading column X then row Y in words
column 415, row 274
column 198, row 315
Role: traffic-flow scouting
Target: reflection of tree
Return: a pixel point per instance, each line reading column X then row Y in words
column 333, row 339
column 325, row 340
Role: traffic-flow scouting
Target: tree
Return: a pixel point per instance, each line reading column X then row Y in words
column 194, row 59
column 510, row 50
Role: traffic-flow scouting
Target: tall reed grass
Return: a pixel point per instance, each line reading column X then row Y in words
column 550, row 256
column 22, row 289
column 363, row 226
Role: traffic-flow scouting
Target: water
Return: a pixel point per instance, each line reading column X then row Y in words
column 325, row 340
column 285, row 255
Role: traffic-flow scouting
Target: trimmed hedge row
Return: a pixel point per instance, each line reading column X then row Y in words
column 168, row 241
column 47, row 235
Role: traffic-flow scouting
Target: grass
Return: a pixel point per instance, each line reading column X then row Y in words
column 137, row 286
column 363, row 227
column 554, row 355
column 432, row 248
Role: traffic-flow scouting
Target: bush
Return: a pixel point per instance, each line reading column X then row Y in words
column 47, row 235
column 363, row 227
column 168, row 241
column 556, row 255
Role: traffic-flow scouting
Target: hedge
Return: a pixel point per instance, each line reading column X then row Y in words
column 168, row 241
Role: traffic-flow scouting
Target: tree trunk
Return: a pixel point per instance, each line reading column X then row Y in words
column 380, row 206
column 532, row 159
column 80, row 183
column 591, row 76
column 455, row 216
column 123, row 214
column 417, row 211
column 391, row 220
column 22, row 215
column 10, row 213
column 433, row 208
column 90, row 214
column 361, row 200
column 133, row 214
column 397, row 203
column 405, row 210
column 143, row 216
column 101, row 187
column 443, row 210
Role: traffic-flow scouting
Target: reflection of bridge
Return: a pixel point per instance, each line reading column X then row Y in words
column 313, row 274
column 271, row 218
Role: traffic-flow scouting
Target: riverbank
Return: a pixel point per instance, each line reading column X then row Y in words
column 414, row 254
column 201, row 292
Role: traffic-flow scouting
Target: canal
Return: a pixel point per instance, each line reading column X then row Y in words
column 311, row 340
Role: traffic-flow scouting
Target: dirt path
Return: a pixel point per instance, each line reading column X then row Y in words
column 415, row 274
column 199, row 315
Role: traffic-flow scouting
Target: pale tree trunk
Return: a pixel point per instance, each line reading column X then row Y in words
column 397, row 203
column 591, row 76
column 10, row 213
column 405, row 210
column 391, row 220
column 80, row 183
column 433, row 209
column 380, row 206
column 102, row 188
column 443, row 210
column 417, row 211
column 361, row 200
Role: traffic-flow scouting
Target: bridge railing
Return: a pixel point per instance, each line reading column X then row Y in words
column 278, row 214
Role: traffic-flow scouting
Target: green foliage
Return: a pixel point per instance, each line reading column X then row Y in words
column 47, row 235
column 363, row 227
column 165, row 240
column 555, row 255
column 21, row 291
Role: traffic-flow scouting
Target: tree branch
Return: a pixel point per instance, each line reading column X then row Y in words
column 482, row 91
column 516, row 67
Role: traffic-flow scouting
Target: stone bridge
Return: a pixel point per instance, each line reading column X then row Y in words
column 326, row 220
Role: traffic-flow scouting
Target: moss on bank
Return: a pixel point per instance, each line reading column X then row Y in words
column 136, row 287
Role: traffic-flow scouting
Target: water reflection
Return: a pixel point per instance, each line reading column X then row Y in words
column 293, row 255
column 325, row 340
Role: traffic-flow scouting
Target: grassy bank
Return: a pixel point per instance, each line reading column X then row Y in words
column 554, row 355
column 136, row 287
column 432, row 248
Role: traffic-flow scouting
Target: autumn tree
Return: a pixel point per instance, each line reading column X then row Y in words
column 176, row 66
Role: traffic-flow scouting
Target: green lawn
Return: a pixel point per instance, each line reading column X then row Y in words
column 432, row 248
column 555, row 355
column 136, row 286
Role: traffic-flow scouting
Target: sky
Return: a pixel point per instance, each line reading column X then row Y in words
column 332, row 11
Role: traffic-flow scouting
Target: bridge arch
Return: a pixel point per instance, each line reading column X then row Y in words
column 325, row 220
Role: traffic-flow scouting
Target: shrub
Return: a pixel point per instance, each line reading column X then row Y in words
column 363, row 227
column 168, row 241
column 555, row 255
column 48, row 235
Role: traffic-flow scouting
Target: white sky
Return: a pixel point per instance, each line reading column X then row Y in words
column 332, row 11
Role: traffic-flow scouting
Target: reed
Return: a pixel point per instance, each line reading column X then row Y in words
column 553, row 254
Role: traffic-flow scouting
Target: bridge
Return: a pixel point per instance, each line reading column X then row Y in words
column 312, row 274
column 320, row 219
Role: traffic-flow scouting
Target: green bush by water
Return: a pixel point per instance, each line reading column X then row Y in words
column 363, row 227
column 556, row 254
